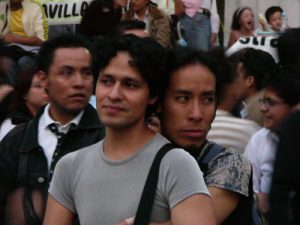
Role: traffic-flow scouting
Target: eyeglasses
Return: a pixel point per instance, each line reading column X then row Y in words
column 36, row 85
column 268, row 102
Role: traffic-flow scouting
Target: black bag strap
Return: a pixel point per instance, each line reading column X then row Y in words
column 210, row 153
column 146, row 203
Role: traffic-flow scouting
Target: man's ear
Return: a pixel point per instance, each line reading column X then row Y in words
column 41, row 75
column 249, row 80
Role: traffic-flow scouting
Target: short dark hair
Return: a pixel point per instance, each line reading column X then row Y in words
column 125, row 25
column 235, row 24
column 285, row 82
column 289, row 47
column 147, row 55
column 271, row 10
column 259, row 64
column 48, row 48
column 178, row 58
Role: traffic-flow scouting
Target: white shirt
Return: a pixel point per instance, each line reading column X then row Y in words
column 5, row 127
column 231, row 131
column 261, row 151
column 214, row 18
column 46, row 139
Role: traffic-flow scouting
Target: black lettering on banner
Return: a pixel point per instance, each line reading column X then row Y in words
column 66, row 10
column 74, row 10
column 52, row 10
column 262, row 41
column 83, row 8
column 274, row 42
column 60, row 11
column 66, row 15
column 244, row 40
column 255, row 41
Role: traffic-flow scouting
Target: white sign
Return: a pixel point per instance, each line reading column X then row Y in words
column 59, row 12
column 267, row 44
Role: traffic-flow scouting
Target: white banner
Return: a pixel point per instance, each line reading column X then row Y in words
column 59, row 12
column 267, row 44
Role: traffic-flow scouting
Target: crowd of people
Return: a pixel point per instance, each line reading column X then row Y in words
column 120, row 123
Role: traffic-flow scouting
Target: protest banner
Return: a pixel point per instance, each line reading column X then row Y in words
column 60, row 12
column 264, row 43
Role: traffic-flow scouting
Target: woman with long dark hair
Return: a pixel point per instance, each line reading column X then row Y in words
column 27, row 98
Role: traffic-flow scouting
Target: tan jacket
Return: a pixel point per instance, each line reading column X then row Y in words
column 159, row 25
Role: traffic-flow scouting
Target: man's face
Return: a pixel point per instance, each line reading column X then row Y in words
column 122, row 94
column 69, row 82
column 189, row 106
column 274, row 109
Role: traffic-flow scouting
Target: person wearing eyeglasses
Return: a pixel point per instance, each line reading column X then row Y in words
column 27, row 98
column 281, row 95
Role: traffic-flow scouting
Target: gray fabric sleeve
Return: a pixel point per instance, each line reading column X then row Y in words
column 180, row 177
column 231, row 171
column 61, row 184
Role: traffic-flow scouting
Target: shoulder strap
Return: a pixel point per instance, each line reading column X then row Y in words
column 146, row 203
column 210, row 153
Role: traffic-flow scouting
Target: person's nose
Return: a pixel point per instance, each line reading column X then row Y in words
column 78, row 80
column 115, row 92
column 263, row 108
column 196, row 113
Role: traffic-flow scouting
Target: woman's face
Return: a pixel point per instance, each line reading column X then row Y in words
column 36, row 96
column 247, row 20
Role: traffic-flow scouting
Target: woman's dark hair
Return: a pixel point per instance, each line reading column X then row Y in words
column 25, row 74
column 236, row 24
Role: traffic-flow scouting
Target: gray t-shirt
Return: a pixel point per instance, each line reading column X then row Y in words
column 106, row 192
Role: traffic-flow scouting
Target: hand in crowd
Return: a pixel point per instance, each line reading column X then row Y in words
column 263, row 203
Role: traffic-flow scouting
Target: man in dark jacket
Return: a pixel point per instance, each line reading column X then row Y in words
column 29, row 153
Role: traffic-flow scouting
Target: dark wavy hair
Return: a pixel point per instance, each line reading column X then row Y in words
column 25, row 74
column 178, row 58
column 147, row 55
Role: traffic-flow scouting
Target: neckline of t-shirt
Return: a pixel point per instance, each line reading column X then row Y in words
column 123, row 161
